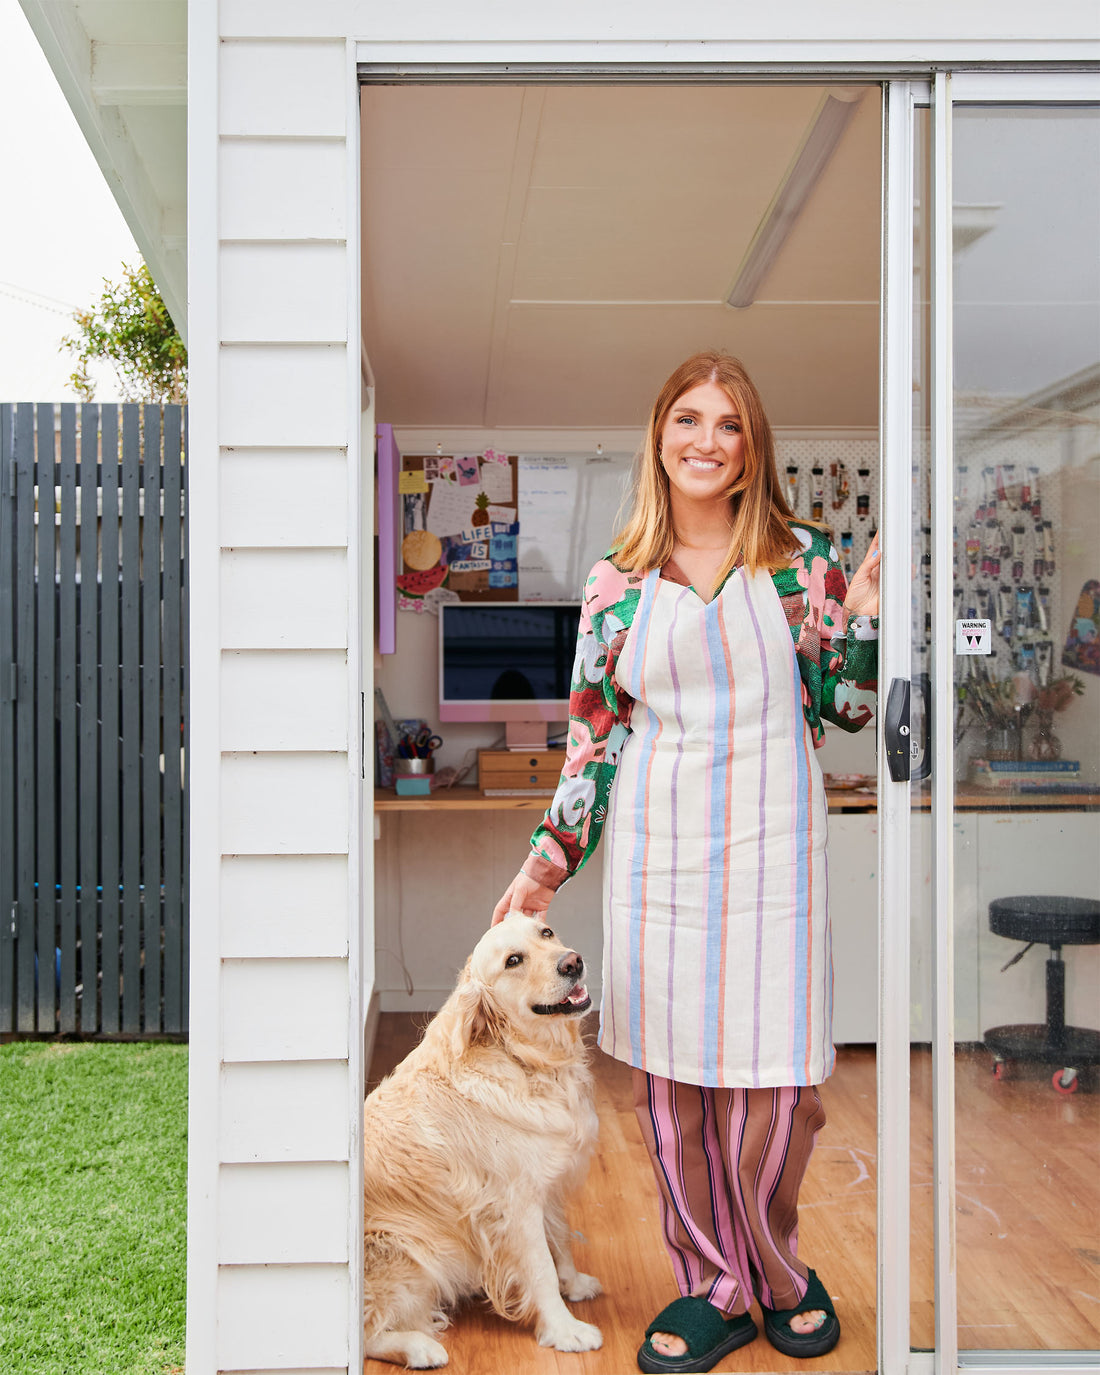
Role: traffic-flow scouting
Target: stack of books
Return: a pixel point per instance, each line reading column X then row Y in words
column 1027, row 775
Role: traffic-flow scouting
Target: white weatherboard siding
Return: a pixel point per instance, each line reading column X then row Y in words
column 275, row 1193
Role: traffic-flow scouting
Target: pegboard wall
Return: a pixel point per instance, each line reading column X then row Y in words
column 1007, row 521
column 837, row 481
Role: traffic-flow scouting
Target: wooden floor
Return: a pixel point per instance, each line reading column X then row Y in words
column 1028, row 1218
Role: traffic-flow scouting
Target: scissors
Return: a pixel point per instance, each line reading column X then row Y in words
column 424, row 743
column 418, row 746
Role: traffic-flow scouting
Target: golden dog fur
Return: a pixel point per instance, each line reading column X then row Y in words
column 470, row 1148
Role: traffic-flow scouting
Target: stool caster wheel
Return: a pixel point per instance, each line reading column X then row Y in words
column 1065, row 1081
column 1000, row 1069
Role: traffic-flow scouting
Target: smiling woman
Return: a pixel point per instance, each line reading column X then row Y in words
column 721, row 619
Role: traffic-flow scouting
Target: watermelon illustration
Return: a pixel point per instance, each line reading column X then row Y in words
column 419, row 584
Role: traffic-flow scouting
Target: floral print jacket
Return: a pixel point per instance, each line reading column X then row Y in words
column 839, row 672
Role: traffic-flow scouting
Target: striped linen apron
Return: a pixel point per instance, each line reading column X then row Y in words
column 717, row 950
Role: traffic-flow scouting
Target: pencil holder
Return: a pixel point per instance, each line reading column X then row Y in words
column 413, row 768
column 413, row 777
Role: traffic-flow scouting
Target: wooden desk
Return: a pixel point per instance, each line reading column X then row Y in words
column 967, row 799
column 467, row 799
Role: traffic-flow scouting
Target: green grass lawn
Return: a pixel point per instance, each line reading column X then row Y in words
column 93, row 1159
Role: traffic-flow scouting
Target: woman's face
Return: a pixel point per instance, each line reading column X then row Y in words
column 702, row 447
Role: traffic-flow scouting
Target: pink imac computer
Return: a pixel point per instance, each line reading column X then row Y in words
column 509, row 662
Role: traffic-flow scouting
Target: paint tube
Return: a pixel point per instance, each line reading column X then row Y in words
column 991, row 550
column 1044, row 659
column 817, row 503
column 973, row 550
column 962, row 484
column 839, row 474
column 1039, row 563
column 1002, row 494
column 1042, row 609
column 1005, row 619
column 1018, row 533
column 794, row 495
column 1034, row 501
column 1024, row 602
column 846, row 553
column 863, row 493
column 1048, row 547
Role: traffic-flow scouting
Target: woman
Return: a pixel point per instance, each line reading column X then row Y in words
column 714, row 641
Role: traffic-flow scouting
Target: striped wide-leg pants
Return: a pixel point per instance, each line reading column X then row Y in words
column 729, row 1164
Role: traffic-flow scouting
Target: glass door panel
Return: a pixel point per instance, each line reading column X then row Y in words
column 1025, row 586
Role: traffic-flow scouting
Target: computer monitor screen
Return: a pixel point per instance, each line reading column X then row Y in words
column 506, row 661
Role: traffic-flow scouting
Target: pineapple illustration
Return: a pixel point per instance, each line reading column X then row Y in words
column 481, row 515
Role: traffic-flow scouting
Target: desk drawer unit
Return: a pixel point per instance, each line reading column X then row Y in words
column 510, row 771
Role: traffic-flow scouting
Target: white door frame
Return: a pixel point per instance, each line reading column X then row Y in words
column 906, row 86
column 950, row 90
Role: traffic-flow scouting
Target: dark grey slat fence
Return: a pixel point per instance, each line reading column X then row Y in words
column 93, row 623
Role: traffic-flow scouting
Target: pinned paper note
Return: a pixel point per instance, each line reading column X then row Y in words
column 503, row 514
column 468, row 468
column 410, row 482
column 496, row 481
column 450, row 509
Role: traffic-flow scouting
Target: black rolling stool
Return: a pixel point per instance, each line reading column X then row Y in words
column 1054, row 922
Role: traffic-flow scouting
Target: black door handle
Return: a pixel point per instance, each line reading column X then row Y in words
column 897, row 731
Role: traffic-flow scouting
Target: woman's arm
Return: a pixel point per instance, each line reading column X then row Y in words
column 599, row 716
column 849, row 667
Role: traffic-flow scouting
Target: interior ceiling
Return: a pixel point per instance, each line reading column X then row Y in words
column 544, row 256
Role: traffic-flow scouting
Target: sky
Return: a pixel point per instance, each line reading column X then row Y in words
column 61, row 232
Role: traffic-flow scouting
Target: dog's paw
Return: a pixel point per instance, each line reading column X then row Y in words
column 417, row 1350
column 579, row 1287
column 570, row 1334
column 423, row 1352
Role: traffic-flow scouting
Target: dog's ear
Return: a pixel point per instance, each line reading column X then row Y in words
column 473, row 1016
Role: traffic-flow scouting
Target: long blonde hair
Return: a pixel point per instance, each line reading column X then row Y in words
column 760, row 535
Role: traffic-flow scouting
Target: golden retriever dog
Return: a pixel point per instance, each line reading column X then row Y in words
column 470, row 1147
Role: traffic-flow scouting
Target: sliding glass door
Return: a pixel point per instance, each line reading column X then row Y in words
column 992, row 482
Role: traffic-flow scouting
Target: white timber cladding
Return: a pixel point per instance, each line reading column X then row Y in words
column 271, row 1214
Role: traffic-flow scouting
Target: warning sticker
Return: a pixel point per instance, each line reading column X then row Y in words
column 973, row 637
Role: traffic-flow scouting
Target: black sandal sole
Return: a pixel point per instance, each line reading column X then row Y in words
column 818, row 1343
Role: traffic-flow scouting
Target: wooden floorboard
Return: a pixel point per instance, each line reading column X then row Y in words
column 1028, row 1220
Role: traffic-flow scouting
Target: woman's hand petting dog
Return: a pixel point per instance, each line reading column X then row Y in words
column 470, row 1148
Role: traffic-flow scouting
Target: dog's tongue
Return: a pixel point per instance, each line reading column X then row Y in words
column 579, row 995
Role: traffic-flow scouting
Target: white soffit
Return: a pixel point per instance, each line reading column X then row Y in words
column 543, row 256
column 122, row 65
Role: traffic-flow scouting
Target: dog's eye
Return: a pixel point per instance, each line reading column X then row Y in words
column 547, row 934
column 512, row 961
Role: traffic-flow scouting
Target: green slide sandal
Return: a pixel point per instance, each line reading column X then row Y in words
column 709, row 1336
column 777, row 1324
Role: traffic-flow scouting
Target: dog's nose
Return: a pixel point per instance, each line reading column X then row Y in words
column 571, row 965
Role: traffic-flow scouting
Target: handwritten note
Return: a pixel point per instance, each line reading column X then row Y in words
column 450, row 508
column 496, row 481
column 410, row 481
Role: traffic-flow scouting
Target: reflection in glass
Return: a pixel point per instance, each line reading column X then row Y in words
column 1027, row 760
column 921, row 1257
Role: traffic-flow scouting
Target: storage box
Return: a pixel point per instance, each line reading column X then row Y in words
column 420, row 786
column 503, row 773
